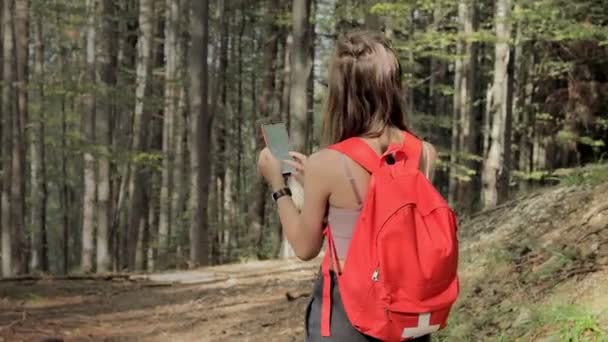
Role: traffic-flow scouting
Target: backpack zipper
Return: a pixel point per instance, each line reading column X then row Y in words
column 376, row 274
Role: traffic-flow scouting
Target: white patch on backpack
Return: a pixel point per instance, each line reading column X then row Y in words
column 424, row 327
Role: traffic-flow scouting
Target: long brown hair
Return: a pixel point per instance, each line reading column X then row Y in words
column 365, row 92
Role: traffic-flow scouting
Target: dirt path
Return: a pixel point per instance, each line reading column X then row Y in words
column 245, row 302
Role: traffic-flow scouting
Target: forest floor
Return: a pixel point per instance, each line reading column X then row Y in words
column 244, row 302
column 534, row 269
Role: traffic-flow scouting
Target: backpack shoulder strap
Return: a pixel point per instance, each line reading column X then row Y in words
column 413, row 150
column 360, row 152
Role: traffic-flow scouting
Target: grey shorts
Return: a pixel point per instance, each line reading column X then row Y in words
column 341, row 329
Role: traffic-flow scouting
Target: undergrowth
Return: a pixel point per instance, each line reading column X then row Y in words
column 592, row 174
column 568, row 323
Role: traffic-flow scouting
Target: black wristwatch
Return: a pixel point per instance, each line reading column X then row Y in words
column 280, row 193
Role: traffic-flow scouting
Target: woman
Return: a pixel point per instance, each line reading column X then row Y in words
column 365, row 100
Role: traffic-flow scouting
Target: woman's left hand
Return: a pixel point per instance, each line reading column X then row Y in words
column 270, row 168
column 298, row 164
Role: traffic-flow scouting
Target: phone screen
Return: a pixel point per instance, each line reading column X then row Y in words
column 277, row 140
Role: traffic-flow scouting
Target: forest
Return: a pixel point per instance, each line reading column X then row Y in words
column 130, row 128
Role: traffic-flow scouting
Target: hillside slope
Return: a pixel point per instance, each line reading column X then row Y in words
column 536, row 269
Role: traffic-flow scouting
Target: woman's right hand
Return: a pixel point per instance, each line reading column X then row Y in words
column 298, row 163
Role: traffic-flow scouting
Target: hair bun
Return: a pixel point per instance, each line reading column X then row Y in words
column 350, row 46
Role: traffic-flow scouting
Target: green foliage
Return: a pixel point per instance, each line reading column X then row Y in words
column 592, row 174
column 565, row 136
column 561, row 21
column 149, row 160
column 595, row 143
column 570, row 323
column 531, row 176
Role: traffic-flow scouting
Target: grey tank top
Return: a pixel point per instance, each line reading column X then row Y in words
column 342, row 221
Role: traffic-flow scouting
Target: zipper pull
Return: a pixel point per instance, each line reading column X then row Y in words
column 376, row 275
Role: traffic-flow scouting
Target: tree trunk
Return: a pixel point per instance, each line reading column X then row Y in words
column 286, row 86
column 521, row 108
column 89, row 107
column 64, row 192
column 106, row 56
column 456, row 125
column 20, row 124
column 411, row 104
column 200, row 133
column 310, row 109
column 7, row 140
column 466, row 90
column 239, row 126
column 301, row 66
column 38, row 185
column 136, row 182
column 171, row 43
column 257, row 211
column 527, row 119
column 152, row 233
column 223, row 166
column 141, row 251
column 504, row 179
column 179, row 172
column 494, row 164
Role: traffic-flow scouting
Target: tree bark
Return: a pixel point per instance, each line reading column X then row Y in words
column 527, row 122
column 456, row 125
column 7, row 139
column 239, row 124
column 301, row 66
column 106, row 56
column 494, row 164
column 141, row 251
column 180, row 173
column 310, row 109
column 223, row 166
column 286, row 86
column 38, row 185
column 170, row 112
column 466, row 90
column 199, row 134
column 89, row 107
column 64, row 192
column 152, row 233
column 20, row 124
column 257, row 211
column 138, row 140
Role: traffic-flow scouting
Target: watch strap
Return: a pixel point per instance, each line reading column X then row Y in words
column 280, row 193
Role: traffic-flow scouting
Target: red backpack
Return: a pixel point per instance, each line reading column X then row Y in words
column 399, row 279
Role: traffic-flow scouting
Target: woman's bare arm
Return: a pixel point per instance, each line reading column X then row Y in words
column 304, row 230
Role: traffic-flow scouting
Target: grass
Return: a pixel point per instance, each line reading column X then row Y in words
column 570, row 323
column 591, row 174
column 557, row 322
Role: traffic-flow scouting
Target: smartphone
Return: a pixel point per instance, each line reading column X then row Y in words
column 277, row 140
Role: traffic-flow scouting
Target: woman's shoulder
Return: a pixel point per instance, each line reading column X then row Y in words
column 428, row 159
column 322, row 166
column 323, row 158
column 429, row 150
